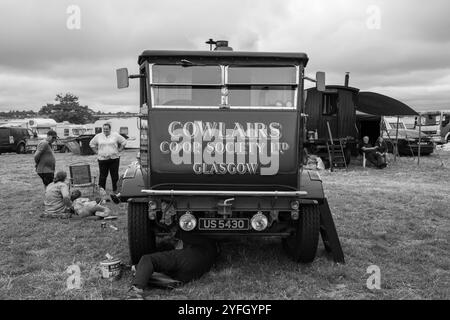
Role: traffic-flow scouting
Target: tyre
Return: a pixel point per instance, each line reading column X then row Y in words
column 21, row 148
column 302, row 245
column 141, row 236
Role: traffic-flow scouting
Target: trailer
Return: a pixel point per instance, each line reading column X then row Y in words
column 68, row 132
column 221, row 152
column 336, row 107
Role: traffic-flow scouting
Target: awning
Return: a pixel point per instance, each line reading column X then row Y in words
column 381, row 105
column 362, row 116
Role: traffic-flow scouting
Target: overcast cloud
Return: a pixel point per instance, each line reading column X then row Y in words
column 408, row 57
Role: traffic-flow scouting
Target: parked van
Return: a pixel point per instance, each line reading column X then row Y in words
column 14, row 139
column 39, row 128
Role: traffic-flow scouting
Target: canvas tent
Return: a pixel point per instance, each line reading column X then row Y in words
column 370, row 109
column 381, row 105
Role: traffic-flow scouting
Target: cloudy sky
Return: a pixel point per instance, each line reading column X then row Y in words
column 399, row 48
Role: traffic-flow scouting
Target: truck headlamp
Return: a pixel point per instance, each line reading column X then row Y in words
column 187, row 222
column 259, row 222
column 295, row 205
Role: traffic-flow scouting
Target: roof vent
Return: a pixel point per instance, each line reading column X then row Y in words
column 222, row 45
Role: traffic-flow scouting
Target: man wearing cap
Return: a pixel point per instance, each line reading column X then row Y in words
column 45, row 159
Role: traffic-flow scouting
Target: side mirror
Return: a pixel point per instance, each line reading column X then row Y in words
column 320, row 81
column 122, row 78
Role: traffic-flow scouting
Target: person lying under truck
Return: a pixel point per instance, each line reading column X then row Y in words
column 372, row 154
column 192, row 257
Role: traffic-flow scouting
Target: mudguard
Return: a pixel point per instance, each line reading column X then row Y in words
column 311, row 182
column 132, row 182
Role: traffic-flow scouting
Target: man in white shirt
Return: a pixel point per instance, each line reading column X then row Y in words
column 108, row 145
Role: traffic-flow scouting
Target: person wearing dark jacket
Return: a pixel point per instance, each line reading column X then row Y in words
column 373, row 153
column 382, row 150
column 190, row 261
column 45, row 159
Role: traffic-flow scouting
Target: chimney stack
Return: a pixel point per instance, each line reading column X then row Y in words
column 347, row 76
column 222, row 45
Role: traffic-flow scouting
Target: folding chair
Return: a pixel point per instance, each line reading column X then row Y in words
column 80, row 177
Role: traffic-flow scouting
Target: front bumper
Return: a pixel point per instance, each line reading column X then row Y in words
column 167, row 207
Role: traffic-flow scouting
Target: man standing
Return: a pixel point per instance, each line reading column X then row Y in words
column 108, row 145
column 45, row 159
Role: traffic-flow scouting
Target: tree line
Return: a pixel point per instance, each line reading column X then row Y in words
column 66, row 108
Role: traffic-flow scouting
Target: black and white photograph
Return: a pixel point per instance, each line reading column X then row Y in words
column 224, row 155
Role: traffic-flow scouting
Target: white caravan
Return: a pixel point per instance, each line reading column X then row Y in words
column 126, row 126
column 68, row 130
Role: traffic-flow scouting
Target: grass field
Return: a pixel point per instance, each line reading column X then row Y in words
column 396, row 218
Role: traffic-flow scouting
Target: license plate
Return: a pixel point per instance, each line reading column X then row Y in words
column 223, row 224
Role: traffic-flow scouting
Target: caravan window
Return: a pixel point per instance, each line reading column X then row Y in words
column 76, row 132
column 66, row 132
column 329, row 104
column 393, row 125
column 98, row 130
column 123, row 130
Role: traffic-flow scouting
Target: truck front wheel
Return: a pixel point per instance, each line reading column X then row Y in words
column 302, row 245
column 141, row 236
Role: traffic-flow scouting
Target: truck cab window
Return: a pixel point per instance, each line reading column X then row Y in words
column 190, row 85
column 262, row 86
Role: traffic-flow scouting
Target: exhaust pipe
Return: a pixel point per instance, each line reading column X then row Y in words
column 347, row 76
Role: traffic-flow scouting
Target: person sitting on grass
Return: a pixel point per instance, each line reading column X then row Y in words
column 372, row 154
column 84, row 207
column 192, row 257
column 381, row 148
column 57, row 199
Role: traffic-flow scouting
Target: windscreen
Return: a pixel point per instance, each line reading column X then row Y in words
column 224, row 86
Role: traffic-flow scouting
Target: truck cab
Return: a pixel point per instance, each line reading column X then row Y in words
column 221, row 150
column 436, row 124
